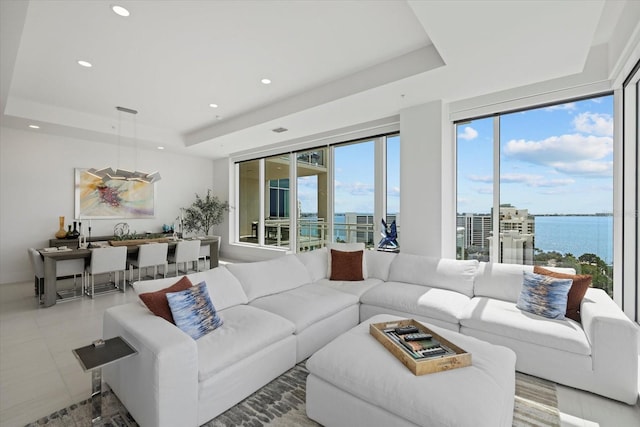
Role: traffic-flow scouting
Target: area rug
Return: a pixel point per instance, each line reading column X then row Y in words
column 281, row 403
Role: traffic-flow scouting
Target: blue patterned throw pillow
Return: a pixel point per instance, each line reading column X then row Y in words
column 544, row 295
column 193, row 311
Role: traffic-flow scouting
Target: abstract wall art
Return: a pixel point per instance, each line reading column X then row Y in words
column 116, row 198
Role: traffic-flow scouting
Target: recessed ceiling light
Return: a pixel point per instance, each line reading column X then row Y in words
column 34, row 126
column 85, row 64
column 119, row 10
column 160, row 148
column 266, row 81
column 213, row 105
column 279, row 129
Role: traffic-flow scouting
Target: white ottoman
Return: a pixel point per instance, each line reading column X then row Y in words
column 355, row 381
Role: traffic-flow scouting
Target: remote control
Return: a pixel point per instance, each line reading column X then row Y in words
column 417, row 337
column 432, row 352
column 403, row 330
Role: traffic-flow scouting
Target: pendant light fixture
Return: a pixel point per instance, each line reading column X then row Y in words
column 107, row 174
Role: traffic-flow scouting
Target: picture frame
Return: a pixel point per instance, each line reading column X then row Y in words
column 113, row 199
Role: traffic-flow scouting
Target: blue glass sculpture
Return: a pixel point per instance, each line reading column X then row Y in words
column 389, row 242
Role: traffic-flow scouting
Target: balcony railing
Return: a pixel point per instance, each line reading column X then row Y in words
column 314, row 233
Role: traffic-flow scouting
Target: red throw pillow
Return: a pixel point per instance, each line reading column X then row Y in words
column 157, row 301
column 581, row 283
column 346, row 265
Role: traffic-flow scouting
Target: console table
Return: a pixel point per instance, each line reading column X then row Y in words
column 51, row 259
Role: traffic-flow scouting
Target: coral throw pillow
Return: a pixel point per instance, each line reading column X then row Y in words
column 346, row 266
column 157, row 301
column 581, row 282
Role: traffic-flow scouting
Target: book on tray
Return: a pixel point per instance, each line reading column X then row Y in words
column 421, row 349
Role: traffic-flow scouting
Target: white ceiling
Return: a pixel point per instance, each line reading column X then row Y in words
column 333, row 63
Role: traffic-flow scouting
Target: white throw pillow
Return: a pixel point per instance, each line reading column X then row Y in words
column 347, row 247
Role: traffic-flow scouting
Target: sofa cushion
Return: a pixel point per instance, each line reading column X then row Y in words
column 263, row 278
column 378, row 263
column 157, row 301
column 503, row 318
column 346, row 265
column 441, row 304
column 306, row 304
column 353, row 288
column 224, row 289
column 581, row 282
column 316, row 262
column 246, row 330
column 347, row 247
column 544, row 295
column 193, row 311
column 504, row 281
column 455, row 275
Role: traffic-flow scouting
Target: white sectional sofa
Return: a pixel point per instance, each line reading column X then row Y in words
column 279, row 312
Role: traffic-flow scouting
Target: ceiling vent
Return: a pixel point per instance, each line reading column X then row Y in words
column 280, row 130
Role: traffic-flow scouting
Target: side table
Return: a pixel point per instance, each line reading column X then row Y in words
column 92, row 358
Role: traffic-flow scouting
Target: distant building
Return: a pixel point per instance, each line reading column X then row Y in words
column 517, row 236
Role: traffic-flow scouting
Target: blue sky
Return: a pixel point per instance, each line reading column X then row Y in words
column 555, row 159
column 354, row 189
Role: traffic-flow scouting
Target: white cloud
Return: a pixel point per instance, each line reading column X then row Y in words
column 570, row 154
column 585, row 167
column 393, row 191
column 360, row 189
column 570, row 106
column 484, row 190
column 481, row 178
column 468, row 133
column 354, row 188
column 534, row 180
column 594, row 123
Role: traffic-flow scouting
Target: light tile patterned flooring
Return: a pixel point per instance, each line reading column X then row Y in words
column 39, row 374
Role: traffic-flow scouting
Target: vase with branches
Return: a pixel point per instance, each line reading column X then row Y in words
column 204, row 213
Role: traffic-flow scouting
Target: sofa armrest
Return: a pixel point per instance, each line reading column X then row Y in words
column 614, row 343
column 159, row 386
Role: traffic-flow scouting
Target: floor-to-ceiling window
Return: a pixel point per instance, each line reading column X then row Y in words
column 312, row 185
column 475, row 188
column 248, row 199
column 629, row 295
column 535, row 186
column 277, row 206
column 393, row 182
column 274, row 198
column 354, row 192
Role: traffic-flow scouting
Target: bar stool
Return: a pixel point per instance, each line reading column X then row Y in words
column 106, row 260
column 186, row 251
column 150, row 255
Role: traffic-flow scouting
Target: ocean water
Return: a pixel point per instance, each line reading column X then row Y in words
column 576, row 235
column 565, row 234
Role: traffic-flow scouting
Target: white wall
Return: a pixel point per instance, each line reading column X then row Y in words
column 421, row 175
column 37, row 186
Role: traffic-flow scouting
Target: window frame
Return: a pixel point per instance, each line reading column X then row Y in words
column 380, row 184
column 496, row 146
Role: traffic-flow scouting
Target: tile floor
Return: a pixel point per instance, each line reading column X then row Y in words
column 39, row 374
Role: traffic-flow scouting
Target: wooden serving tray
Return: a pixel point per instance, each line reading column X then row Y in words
column 455, row 357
